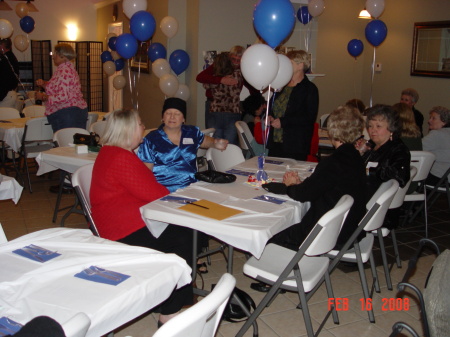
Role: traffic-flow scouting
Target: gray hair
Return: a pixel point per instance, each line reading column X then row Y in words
column 443, row 113
column 66, row 50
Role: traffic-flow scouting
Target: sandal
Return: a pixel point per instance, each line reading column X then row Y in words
column 202, row 268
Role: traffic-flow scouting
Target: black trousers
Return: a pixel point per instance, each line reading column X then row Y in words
column 174, row 239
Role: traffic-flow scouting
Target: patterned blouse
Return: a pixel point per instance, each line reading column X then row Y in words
column 226, row 98
column 64, row 89
column 279, row 108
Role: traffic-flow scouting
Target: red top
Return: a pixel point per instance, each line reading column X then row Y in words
column 121, row 184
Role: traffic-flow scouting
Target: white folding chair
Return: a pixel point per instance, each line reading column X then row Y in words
column 361, row 251
column 81, row 182
column 203, row 318
column 77, row 326
column 34, row 111
column 441, row 187
column 64, row 137
column 222, row 160
column 92, row 118
column 322, row 120
column 9, row 113
column 423, row 161
column 37, row 137
column 302, row 271
column 3, row 238
column 98, row 127
column 201, row 153
column 245, row 137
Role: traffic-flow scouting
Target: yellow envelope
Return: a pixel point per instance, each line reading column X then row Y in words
column 210, row 209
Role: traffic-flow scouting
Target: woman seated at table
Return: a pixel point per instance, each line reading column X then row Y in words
column 409, row 131
column 341, row 173
column 121, row 184
column 387, row 157
column 171, row 150
column 438, row 142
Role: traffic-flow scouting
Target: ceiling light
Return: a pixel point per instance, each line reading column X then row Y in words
column 364, row 14
column 4, row 6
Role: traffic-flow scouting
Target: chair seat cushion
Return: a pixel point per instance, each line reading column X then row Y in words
column 415, row 197
column 275, row 258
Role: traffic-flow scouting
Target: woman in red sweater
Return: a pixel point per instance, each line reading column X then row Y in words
column 121, row 184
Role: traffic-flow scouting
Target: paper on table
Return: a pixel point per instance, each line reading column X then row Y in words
column 100, row 275
column 8, row 326
column 240, row 172
column 210, row 210
column 269, row 199
column 179, row 200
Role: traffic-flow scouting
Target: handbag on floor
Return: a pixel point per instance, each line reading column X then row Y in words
column 233, row 312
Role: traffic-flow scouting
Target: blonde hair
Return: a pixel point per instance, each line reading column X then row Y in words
column 66, row 50
column 121, row 128
column 408, row 126
column 345, row 124
column 300, row 56
column 237, row 50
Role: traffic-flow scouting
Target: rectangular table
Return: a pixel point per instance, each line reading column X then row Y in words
column 10, row 189
column 29, row 288
column 64, row 158
column 248, row 231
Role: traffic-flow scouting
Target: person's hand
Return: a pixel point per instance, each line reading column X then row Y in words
column 229, row 80
column 41, row 83
column 361, row 146
column 291, row 178
column 40, row 96
column 220, row 144
column 276, row 123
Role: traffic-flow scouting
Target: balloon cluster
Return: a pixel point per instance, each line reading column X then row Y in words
column 125, row 46
column 314, row 9
column 27, row 24
column 376, row 30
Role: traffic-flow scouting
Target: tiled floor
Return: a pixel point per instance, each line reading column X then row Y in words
column 34, row 212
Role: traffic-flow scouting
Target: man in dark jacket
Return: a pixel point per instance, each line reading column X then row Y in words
column 9, row 70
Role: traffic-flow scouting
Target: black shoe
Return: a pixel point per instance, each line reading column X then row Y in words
column 65, row 190
column 263, row 288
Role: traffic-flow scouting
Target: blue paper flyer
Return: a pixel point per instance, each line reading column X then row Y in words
column 100, row 275
column 8, row 326
column 270, row 199
column 36, row 253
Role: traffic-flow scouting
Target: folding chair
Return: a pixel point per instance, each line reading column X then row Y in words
column 201, row 153
column 203, row 318
column 245, row 137
column 98, row 127
column 77, row 326
column 302, row 271
column 361, row 251
column 223, row 160
column 322, row 120
column 9, row 113
column 37, row 137
column 81, row 182
column 441, row 187
column 92, row 118
column 34, row 111
column 64, row 137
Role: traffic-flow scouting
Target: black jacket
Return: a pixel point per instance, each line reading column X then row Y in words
column 299, row 117
column 393, row 159
column 9, row 70
column 341, row 173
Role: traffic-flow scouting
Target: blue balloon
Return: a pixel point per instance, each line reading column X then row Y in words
column 156, row 51
column 355, row 47
column 274, row 20
column 179, row 61
column 112, row 43
column 376, row 32
column 120, row 63
column 27, row 24
column 142, row 25
column 126, row 45
column 303, row 15
column 106, row 56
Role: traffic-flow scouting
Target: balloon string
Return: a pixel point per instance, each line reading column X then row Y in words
column 373, row 74
column 131, row 81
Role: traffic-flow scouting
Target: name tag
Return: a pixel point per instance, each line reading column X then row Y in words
column 371, row 164
column 188, row 141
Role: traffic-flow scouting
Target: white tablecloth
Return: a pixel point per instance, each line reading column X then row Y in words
column 249, row 230
column 10, row 189
column 29, row 289
column 12, row 132
column 64, row 158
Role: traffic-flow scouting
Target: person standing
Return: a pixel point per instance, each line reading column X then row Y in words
column 64, row 103
column 410, row 97
column 9, row 70
column 294, row 112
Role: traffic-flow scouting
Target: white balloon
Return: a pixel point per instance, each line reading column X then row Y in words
column 115, row 55
column 160, row 67
column 119, row 82
column 169, row 26
column 132, row 6
column 21, row 42
column 284, row 74
column 259, row 65
column 109, row 68
column 168, row 83
column 183, row 92
column 6, row 29
column 375, row 7
column 316, row 7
